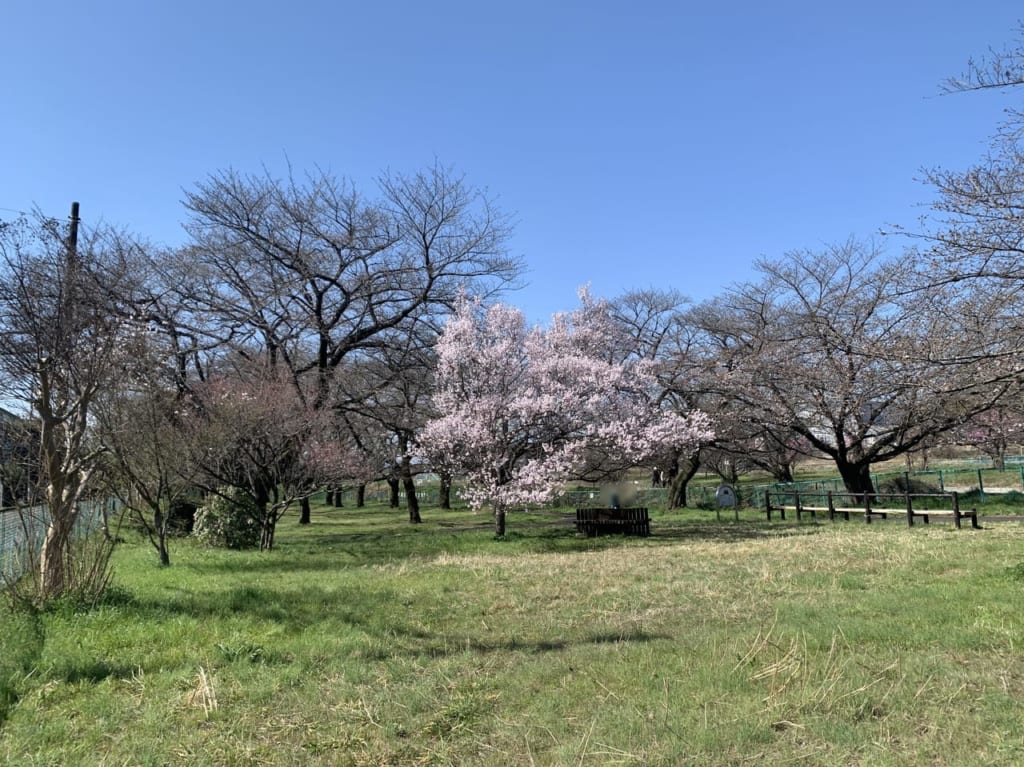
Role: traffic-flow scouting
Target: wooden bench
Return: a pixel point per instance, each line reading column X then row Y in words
column 871, row 512
column 592, row 522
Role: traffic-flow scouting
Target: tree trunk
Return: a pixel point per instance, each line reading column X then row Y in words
column 158, row 535
column 408, row 481
column 857, row 479
column 683, row 470
column 160, row 525
column 998, row 456
column 267, row 528
column 55, row 556
column 360, row 495
column 409, row 484
column 329, row 498
column 393, row 486
column 339, row 493
column 783, row 472
column 445, row 491
column 304, row 511
column 499, row 522
column 165, row 555
column 728, row 472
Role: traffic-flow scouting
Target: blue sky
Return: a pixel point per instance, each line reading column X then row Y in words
column 664, row 144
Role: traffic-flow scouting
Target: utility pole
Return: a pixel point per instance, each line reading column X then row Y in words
column 73, row 234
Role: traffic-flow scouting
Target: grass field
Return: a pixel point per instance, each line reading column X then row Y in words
column 363, row 640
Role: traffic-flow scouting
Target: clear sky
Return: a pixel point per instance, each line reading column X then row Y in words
column 637, row 144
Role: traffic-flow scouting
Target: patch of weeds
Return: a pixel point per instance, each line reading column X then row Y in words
column 462, row 707
column 244, row 651
column 77, row 603
column 21, row 644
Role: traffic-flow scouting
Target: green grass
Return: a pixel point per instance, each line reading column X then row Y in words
column 363, row 640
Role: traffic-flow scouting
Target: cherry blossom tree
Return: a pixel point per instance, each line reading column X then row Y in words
column 833, row 348
column 524, row 409
column 250, row 430
column 993, row 432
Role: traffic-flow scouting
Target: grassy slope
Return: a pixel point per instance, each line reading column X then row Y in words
column 365, row 641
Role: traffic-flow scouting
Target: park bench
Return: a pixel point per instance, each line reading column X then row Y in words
column 873, row 507
column 592, row 522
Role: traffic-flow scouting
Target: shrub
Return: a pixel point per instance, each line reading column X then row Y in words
column 897, row 485
column 181, row 516
column 229, row 520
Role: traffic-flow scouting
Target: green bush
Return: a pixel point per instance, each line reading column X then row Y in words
column 897, row 485
column 228, row 520
column 181, row 516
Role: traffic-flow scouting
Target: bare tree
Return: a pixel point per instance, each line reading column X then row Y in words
column 63, row 339
column 997, row 70
column 388, row 390
column 831, row 346
column 147, row 465
column 993, row 432
column 651, row 326
column 309, row 273
column 974, row 234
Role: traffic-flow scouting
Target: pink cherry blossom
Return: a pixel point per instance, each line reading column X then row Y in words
column 525, row 409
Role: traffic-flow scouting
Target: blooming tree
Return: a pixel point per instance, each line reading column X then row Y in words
column 253, row 432
column 993, row 432
column 524, row 409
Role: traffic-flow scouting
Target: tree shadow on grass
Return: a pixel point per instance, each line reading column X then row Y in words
column 334, row 550
column 732, row 532
column 452, row 645
column 379, row 623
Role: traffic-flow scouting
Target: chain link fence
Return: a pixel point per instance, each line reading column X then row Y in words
column 974, row 476
column 22, row 531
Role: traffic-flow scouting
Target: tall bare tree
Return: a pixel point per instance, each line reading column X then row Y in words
column 310, row 273
column 65, row 335
column 974, row 236
column 388, row 390
column 831, row 346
